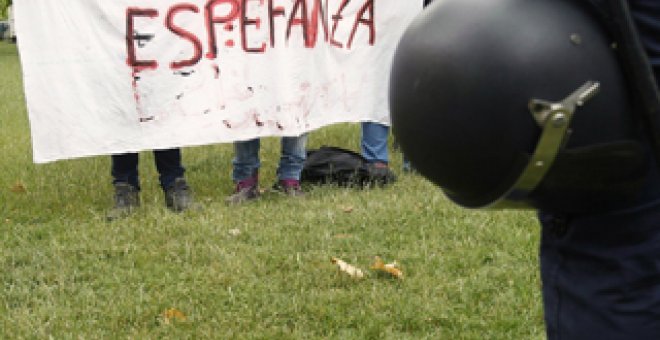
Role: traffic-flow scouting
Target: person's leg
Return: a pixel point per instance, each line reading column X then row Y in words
column 126, row 185
column 601, row 275
column 168, row 165
column 246, row 160
column 125, row 169
column 373, row 145
column 292, row 160
column 178, row 196
column 245, row 172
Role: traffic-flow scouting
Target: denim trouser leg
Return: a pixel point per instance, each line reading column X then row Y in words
column 246, row 159
column 125, row 169
column 292, row 157
column 168, row 164
column 374, row 142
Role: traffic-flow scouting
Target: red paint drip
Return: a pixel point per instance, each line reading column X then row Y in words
column 136, row 93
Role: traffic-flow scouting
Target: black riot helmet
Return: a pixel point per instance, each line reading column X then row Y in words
column 518, row 103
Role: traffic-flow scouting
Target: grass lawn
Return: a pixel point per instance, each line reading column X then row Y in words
column 259, row 271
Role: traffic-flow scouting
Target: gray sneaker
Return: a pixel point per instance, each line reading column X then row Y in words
column 126, row 201
column 178, row 197
column 246, row 190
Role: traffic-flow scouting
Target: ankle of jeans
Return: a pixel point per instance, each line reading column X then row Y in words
column 248, row 182
column 290, row 183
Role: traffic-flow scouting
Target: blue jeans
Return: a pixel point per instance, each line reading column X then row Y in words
column 246, row 160
column 168, row 164
column 373, row 143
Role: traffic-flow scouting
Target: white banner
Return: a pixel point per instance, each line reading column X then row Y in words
column 115, row 76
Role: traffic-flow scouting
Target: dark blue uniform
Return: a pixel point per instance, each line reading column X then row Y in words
column 601, row 272
column 646, row 14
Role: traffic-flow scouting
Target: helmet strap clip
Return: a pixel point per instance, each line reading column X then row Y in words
column 554, row 120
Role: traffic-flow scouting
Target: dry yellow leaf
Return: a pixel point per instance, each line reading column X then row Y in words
column 348, row 269
column 18, row 188
column 173, row 314
column 389, row 268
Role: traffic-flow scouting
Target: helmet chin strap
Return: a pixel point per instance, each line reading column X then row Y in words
column 554, row 120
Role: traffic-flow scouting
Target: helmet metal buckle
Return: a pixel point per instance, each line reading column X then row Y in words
column 554, row 120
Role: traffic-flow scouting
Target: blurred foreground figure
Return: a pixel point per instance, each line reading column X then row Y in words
column 549, row 105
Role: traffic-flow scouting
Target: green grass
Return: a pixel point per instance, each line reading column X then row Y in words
column 66, row 273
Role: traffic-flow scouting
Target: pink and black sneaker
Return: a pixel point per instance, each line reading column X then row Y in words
column 246, row 190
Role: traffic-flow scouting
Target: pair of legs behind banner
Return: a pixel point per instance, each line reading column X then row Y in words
column 126, row 182
column 247, row 162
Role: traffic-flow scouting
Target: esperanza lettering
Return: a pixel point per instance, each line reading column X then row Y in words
column 307, row 17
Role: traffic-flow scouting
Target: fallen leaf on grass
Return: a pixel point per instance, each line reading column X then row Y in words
column 171, row 315
column 18, row 188
column 348, row 269
column 389, row 268
column 347, row 210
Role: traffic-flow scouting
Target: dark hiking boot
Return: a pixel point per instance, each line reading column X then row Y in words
column 126, row 201
column 178, row 196
column 246, row 190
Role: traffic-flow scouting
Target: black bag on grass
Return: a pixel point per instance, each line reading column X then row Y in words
column 333, row 165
